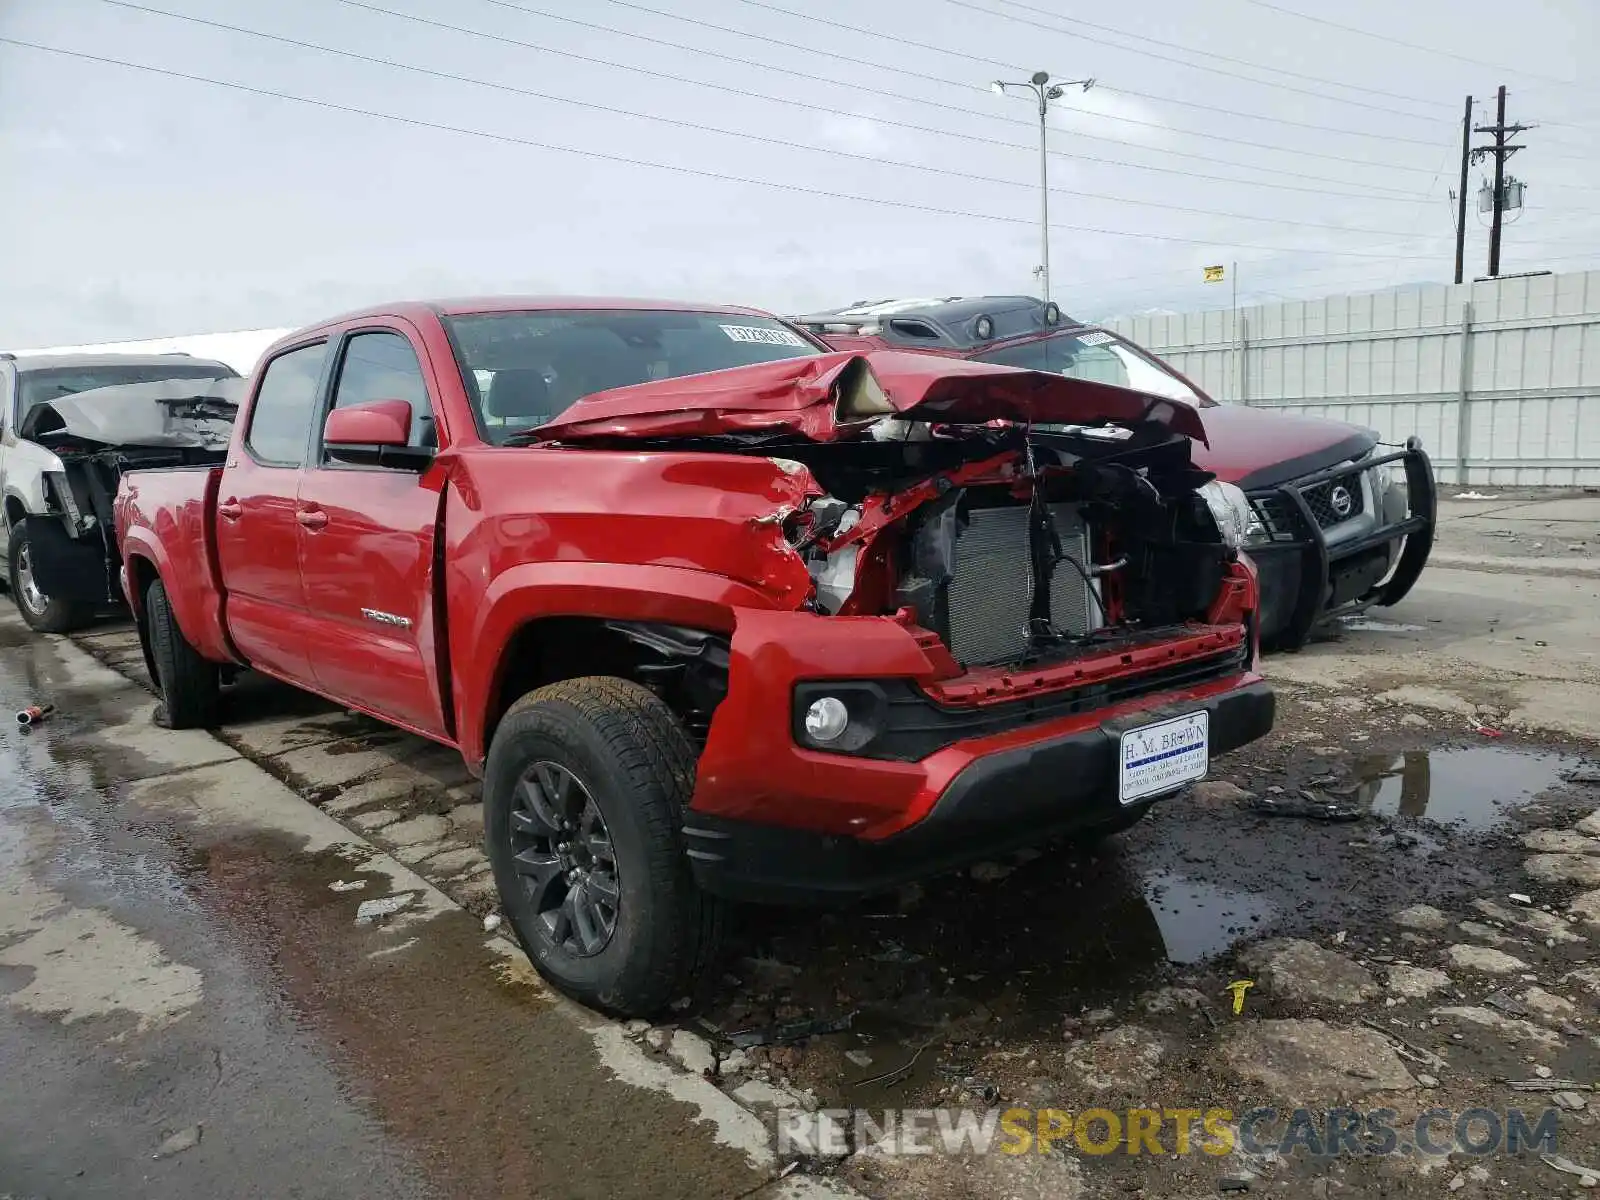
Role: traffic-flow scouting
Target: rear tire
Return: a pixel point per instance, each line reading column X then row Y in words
column 584, row 792
column 40, row 611
column 189, row 684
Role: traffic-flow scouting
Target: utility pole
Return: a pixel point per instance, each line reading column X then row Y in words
column 1502, row 150
column 1461, row 200
column 1045, row 91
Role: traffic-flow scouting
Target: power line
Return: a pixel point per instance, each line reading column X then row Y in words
column 675, row 168
column 871, row 90
column 1392, row 195
column 990, row 62
column 964, row 85
column 1142, row 38
column 1394, row 41
column 1233, row 112
column 1299, row 151
column 1140, row 49
column 703, row 128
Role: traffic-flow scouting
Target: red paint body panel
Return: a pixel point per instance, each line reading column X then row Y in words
column 800, row 395
column 257, row 542
column 1244, row 440
column 541, row 532
column 398, row 592
column 380, row 423
column 1239, row 440
column 166, row 520
column 373, row 553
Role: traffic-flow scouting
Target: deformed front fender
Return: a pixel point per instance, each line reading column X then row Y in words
column 534, row 591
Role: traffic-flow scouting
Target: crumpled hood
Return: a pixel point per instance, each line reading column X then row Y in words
column 832, row 396
column 1259, row 447
column 180, row 413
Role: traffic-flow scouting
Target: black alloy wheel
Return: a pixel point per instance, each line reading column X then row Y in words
column 563, row 852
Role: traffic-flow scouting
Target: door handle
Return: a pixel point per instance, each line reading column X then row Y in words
column 230, row 510
column 311, row 518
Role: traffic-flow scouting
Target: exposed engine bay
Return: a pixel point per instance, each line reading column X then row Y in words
column 1015, row 545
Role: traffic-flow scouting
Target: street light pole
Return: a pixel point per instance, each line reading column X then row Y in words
column 1045, row 91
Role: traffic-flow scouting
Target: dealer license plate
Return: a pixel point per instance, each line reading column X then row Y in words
column 1161, row 757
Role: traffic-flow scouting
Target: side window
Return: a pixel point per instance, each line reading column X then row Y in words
column 383, row 366
column 281, row 418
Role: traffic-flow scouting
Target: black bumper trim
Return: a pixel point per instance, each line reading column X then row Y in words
column 1002, row 802
column 907, row 725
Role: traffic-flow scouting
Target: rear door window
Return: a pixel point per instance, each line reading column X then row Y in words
column 280, row 420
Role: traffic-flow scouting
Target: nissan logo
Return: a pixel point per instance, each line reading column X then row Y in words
column 1341, row 500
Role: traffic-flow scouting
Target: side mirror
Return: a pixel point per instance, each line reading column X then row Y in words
column 374, row 434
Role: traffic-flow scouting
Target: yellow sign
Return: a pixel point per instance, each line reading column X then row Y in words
column 1213, row 274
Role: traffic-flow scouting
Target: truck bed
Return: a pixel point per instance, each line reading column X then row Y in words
column 166, row 522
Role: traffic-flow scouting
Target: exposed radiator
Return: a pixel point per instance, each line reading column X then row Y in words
column 991, row 589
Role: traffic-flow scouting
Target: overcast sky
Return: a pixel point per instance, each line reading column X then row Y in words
column 135, row 204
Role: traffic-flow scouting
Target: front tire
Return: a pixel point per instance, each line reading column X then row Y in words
column 189, row 684
column 41, row 612
column 584, row 792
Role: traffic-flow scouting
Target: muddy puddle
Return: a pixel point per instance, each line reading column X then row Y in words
column 1199, row 919
column 1472, row 788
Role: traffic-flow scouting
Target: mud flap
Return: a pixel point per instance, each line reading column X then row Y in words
column 76, row 570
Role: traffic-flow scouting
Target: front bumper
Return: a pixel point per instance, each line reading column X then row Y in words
column 1303, row 578
column 1009, row 791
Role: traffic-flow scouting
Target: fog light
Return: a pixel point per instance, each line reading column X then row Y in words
column 826, row 719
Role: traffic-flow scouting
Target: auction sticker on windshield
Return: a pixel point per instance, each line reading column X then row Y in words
column 1160, row 757
column 768, row 337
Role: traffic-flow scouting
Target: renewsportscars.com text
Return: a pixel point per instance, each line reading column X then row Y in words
column 1318, row 1133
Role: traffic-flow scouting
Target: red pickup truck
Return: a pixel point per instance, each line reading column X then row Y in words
column 718, row 613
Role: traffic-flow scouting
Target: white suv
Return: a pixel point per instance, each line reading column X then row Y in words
column 52, row 515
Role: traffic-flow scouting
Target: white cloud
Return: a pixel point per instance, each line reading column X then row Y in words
column 1096, row 110
column 859, row 135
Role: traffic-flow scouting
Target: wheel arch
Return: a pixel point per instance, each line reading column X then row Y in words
column 16, row 509
column 687, row 666
column 512, row 618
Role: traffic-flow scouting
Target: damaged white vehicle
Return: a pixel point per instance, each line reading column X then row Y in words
column 70, row 424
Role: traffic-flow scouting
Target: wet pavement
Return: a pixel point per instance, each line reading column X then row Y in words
column 189, row 1006
column 1433, row 943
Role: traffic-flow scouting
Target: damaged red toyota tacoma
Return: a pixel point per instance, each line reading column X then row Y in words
column 717, row 613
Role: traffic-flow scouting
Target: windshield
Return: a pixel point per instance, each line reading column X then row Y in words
column 1095, row 355
column 51, row 383
column 523, row 368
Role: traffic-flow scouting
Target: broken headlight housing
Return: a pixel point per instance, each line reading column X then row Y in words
column 1236, row 520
